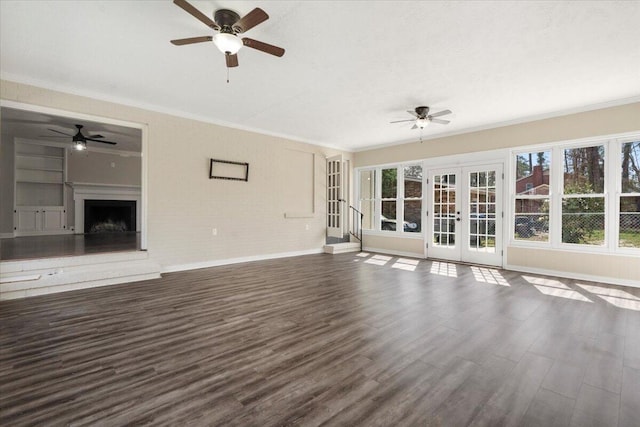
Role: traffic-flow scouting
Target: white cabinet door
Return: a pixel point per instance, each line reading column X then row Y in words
column 53, row 218
column 27, row 219
column 33, row 220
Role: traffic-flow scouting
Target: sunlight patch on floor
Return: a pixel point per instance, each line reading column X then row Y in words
column 378, row 260
column 617, row 297
column 444, row 269
column 489, row 275
column 555, row 288
column 406, row 264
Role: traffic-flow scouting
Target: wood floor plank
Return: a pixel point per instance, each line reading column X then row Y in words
column 320, row 340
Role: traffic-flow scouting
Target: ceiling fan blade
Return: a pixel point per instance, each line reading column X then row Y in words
column 262, row 46
column 232, row 60
column 440, row 113
column 196, row 14
column 101, row 140
column 442, row 122
column 250, row 20
column 62, row 133
column 96, row 136
column 400, row 121
column 190, row 40
column 52, row 136
column 413, row 113
column 414, row 127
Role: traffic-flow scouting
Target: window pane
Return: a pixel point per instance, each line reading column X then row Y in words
column 583, row 220
column 412, row 216
column 388, row 217
column 532, row 173
column 389, row 183
column 413, row 181
column 366, row 207
column 629, row 222
column 584, row 170
column 531, row 220
column 367, row 184
column 631, row 167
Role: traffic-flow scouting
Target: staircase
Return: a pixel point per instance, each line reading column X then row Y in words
column 344, row 244
column 340, row 248
column 25, row 278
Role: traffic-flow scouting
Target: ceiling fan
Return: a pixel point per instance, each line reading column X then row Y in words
column 422, row 118
column 80, row 140
column 228, row 25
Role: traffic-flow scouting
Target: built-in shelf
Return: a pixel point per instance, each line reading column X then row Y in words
column 39, row 189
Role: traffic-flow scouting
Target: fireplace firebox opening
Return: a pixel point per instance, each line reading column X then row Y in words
column 109, row 216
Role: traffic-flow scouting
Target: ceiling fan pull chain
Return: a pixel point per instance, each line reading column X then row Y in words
column 227, row 74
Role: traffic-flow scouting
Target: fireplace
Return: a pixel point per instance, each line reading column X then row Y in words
column 109, row 216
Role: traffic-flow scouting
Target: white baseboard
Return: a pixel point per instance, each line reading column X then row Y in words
column 42, row 233
column 392, row 252
column 7, row 235
column 219, row 262
column 575, row 276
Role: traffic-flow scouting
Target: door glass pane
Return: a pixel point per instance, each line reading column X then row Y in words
column 444, row 210
column 482, row 215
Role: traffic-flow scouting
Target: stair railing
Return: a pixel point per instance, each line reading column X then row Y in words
column 355, row 228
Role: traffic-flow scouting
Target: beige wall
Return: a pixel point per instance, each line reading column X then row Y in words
column 103, row 168
column 625, row 118
column 184, row 205
column 607, row 121
column 395, row 245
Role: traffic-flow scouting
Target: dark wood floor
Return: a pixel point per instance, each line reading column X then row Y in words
column 343, row 340
column 32, row 247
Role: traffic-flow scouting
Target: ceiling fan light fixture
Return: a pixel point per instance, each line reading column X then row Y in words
column 227, row 42
column 79, row 145
column 422, row 123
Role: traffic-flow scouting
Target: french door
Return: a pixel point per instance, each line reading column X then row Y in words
column 465, row 214
column 335, row 201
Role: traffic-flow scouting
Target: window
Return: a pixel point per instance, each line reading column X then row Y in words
column 583, row 201
column 389, row 194
column 367, row 198
column 583, row 195
column 532, row 196
column 412, row 219
column 629, row 203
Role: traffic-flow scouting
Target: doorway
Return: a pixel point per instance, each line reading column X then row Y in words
column 466, row 213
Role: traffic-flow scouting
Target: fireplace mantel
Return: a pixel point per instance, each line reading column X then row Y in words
column 87, row 191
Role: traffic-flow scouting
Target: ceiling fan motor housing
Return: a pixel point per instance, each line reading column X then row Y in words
column 226, row 18
column 422, row 111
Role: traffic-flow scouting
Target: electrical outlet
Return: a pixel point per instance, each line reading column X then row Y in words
column 214, row 231
column 306, row 227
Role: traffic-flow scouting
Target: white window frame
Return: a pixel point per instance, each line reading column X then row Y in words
column 612, row 193
column 514, row 196
column 399, row 199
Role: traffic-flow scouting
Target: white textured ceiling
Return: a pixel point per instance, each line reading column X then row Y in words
column 349, row 69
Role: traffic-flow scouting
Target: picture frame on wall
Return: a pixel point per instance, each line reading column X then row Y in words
column 229, row 170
